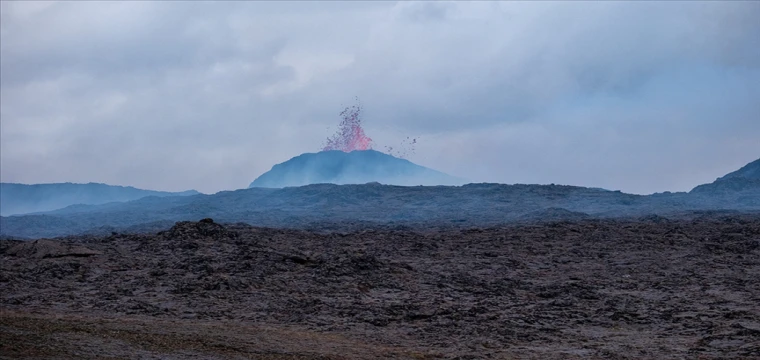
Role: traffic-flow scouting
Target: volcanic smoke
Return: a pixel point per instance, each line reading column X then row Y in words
column 350, row 135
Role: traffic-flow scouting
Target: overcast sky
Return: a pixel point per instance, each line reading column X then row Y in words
column 641, row 97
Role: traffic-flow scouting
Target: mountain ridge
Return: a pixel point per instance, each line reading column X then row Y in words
column 744, row 180
column 331, row 207
column 17, row 198
column 749, row 171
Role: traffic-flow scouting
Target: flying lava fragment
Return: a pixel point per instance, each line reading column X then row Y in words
column 350, row 135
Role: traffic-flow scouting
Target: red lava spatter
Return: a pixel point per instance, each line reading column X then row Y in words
column 350, row 135
column 406, row 148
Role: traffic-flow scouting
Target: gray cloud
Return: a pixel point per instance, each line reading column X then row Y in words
column 640, row 97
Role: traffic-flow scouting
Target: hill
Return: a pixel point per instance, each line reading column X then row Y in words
column 330, row 208
column 743, row 183
column 355, row 167
column 23, row 198
column 749, row 171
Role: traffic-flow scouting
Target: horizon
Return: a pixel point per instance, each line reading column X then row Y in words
column 638, row 97
column 463, row 184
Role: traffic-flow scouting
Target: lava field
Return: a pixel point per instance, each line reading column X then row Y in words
column 653, row 288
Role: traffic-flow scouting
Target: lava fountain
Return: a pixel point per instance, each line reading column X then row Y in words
column 350, row 135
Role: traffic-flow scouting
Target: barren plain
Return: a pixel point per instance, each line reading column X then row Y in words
column 648, row 288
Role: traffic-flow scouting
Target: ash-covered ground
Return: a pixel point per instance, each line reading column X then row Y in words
column 653, row 288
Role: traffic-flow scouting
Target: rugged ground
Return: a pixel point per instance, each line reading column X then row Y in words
column 356, row 207
column 651, row 288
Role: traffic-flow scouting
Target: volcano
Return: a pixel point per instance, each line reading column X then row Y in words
column 355, row 167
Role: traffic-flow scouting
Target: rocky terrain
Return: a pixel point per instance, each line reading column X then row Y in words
column 647, row 288
column 331, row 207
column 353, row 207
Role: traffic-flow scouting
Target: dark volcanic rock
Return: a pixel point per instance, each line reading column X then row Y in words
column 654, row 218
column 571, row 289
column 205, row 228
column 554, row 214
column 41, row 249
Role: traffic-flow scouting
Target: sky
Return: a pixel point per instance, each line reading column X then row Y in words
column 641, row 97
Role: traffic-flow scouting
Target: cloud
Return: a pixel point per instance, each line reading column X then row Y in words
column 637, row 96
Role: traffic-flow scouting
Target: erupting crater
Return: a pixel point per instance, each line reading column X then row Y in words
column 350, row 135
column 347, row 158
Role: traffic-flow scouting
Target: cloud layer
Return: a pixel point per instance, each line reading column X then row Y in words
column 640, row 97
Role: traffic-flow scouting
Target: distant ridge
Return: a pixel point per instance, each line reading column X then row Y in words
column 356, row 167
column 749, row 171
column 24, row 198
column 745, row 181
column 329, row 207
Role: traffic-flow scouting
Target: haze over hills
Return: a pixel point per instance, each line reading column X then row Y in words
column 23, row 198
column 354, row 167
column 346, row 207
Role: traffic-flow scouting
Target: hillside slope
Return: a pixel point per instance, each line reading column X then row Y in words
column 356, row 167
column 749, row 171
column 330, row 207
column 23, row 198
column 743, row 183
